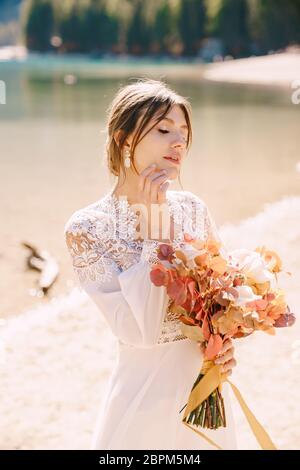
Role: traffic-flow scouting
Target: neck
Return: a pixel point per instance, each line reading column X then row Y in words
column 127, row 188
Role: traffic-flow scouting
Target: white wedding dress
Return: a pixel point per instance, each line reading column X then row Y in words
column 157, row 365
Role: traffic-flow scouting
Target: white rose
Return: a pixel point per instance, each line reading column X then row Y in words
column 246, row 294
column 251, row 264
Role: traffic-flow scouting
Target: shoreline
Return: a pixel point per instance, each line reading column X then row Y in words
column 279, row 70
column 276, row 69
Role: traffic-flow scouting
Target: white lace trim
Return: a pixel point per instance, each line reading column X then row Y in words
column 101, row 236
column 171, row 330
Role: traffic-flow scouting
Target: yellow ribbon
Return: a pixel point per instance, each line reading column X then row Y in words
column 212, row 379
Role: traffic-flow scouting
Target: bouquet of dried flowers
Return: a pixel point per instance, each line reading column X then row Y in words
column 219, row 296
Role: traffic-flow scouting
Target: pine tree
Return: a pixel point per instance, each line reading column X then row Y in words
column 38, row 24
column 232, row 27
column 191, row 25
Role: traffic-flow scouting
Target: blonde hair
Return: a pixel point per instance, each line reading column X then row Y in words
column 128, row 106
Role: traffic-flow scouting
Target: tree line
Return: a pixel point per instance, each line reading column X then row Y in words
column 160, row 27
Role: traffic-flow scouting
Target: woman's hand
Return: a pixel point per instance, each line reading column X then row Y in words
column 153, row 184
column 225, row 357
column 152, row 187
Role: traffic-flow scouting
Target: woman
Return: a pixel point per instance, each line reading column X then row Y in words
column 113, row 244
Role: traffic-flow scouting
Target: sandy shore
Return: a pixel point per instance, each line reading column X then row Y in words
column 272, row 70
column 55, row 359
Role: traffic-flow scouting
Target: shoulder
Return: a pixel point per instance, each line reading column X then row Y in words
column 185, row 195
column 88, row 232
column 92, row 221
column 193, row 197
column 189, row 199
column 193, row 213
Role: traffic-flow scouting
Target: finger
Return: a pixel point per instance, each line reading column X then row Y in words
column 162, row 191
column 155, row 182
column 229, row 372
column 147, row 171
column 224, row 357
column 229, row 365
column 226, row 346
column 148, row 192
column 154, row 188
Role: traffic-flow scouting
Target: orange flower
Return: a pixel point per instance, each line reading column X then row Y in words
column 218, row 264
column 191, row 294
column 287, row 319
column 177, row 290
column 188, row 238
column 159, row 275
column 165, row 252
column 271, row 258
column 259, row 304
column 213, row 246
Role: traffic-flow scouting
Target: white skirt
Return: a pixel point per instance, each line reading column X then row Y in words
column 146, row 390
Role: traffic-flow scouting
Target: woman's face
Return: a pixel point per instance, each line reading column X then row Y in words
column 167, row 138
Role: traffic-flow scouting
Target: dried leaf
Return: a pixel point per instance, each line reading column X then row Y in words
column 177, row 309
column 213, row 347
column 205, row 329
column 193, row 332
column 287, row 319
column 218, row 264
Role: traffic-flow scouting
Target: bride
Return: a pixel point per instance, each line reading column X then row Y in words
column 113, row 242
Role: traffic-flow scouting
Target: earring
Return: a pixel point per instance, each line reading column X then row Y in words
column 127, row 159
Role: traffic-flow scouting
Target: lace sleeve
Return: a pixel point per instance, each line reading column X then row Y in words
column 149, row 251
column 89, row 241
column 133, row 306
column 203, row 221
column 212, row 231
column 210, row 226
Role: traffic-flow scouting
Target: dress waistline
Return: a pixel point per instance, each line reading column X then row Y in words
column 123, row 345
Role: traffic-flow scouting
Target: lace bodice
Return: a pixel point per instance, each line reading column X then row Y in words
column 101, row 241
